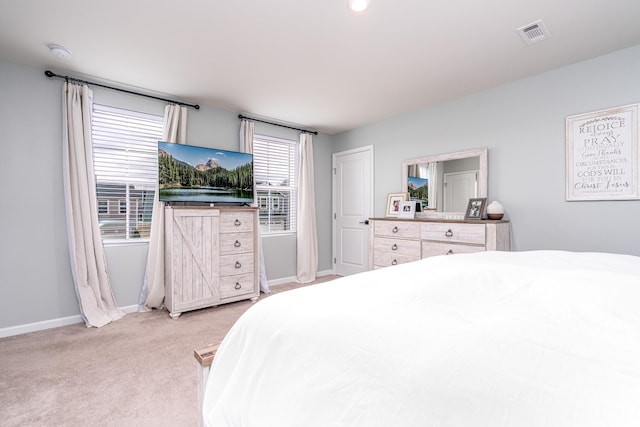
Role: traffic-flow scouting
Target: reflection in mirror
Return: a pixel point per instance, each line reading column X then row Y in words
column 445, row 182
column 421, row 178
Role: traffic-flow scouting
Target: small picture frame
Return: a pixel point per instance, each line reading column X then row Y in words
column 393, row 203
column 407, row 209
column 476, row 208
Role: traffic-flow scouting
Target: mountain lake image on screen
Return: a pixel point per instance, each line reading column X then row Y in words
column 187, row 173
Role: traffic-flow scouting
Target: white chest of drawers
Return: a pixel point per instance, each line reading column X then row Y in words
column 211, row 257
column 396, row 241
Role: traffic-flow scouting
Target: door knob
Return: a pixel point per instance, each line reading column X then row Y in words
column 365, row 222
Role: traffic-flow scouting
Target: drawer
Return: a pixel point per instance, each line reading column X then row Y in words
column 236, row 243
column 397, row 246
column 386, row 259
column 233, row 286
column 231, row 265
column 236, row 221
column 397, row 229
column 454, row 232
column 435, row 248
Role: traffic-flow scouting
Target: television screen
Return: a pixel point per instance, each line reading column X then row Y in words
column 187, row 173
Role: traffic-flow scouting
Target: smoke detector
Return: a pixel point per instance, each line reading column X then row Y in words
column 59, row 51
column 534, row 32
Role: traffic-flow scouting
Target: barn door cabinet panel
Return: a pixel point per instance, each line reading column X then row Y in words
column 211, row 257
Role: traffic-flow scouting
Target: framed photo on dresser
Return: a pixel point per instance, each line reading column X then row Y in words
column 393, row 203
column 407, row 209
column 475, row 208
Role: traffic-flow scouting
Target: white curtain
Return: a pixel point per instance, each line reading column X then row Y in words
column 306, row 235
column 246, row 145
column 152, row 294
column 98, row 306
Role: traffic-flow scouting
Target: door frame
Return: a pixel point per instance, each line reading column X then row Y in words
column 370, row 150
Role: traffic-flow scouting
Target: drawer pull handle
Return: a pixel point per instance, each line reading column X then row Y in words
column 238, row 265
column 394, row 262
column 238, row 285
column 449, row 233
column 395, row 229
column 449, row 252
column 394, row 247
column 237, row 223
column 237, row 244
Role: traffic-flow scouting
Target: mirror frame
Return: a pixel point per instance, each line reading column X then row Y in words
column 481, row 153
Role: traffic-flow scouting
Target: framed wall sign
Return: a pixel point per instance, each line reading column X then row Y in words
column 602, row 155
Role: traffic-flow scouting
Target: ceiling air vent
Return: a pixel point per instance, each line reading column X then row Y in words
column 534, row 32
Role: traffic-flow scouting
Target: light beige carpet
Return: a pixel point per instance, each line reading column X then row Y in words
column 137, row 371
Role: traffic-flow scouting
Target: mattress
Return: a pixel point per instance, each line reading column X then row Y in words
column 539, row 338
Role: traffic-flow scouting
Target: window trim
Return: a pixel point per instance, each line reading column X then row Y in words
column 119, row 131
column 293, row 177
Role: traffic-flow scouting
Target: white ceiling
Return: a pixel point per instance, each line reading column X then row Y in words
column 312, row 63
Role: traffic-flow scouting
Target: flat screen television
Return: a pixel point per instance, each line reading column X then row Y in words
column 187, row 173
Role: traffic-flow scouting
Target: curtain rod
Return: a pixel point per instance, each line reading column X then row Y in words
column 67, row 78
column 240, row 116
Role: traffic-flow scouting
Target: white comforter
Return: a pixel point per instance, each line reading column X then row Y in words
column 542, row 338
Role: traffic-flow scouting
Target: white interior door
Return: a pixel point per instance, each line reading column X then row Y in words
column 459, row 187
column 352, row 208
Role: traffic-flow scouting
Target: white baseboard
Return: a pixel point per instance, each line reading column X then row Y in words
column 53, row 323
column 70, row 320
column 130, row 309
column 39, row 326
column 284, row 280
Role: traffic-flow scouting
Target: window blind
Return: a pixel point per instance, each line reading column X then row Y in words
column 125, row 157
column 275, row 171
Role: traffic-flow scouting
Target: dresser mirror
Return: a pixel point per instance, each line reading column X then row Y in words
column 444, row 183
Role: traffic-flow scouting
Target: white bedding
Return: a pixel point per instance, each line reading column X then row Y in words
column 541, row 338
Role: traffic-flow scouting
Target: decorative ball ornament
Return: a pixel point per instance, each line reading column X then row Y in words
column 495, row 210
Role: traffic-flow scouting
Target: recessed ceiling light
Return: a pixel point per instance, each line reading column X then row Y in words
column 59, row 51
column 358, row 5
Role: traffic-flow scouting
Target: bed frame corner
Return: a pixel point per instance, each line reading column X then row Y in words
column 204, row 356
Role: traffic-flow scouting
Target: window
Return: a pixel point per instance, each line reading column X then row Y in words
column 103, row 206
column 275, row 170
column 125, row 158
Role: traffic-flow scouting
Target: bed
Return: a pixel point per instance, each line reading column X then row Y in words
column 539, row 338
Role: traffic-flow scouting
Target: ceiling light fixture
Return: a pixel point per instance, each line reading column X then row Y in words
column 358, row 5
column 59, row 51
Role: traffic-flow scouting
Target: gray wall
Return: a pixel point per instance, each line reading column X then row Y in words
column 521, row 123
column 35, row 277
column 523, row 126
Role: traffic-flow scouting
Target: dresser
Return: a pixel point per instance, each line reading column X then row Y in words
column 211, row 257
column 396, row 241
